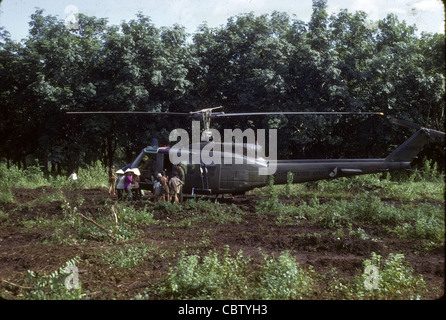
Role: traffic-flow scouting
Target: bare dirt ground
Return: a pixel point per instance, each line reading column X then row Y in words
column 23, row 249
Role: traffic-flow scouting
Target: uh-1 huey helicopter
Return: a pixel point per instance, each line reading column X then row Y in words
column 229, row 172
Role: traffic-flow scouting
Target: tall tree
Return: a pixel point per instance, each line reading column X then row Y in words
column 253, row 63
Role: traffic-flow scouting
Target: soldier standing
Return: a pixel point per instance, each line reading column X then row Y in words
column 112, row 181
column 165, row 188
column 175, row 185
column 182, row 177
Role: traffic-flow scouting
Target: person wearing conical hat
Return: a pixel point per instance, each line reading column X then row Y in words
column 136, row 189
column 120, row 183
column 128, row 183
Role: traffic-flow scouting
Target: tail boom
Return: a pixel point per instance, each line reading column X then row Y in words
column 312, row 170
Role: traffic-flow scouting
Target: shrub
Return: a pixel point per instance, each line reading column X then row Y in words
column 128, row 214
column 128, row 256
column 424, row 221
column 207, row 211
column 32, row 177
column 271, row 204
column 215, row 276
column 53, row 286
column 395, row 279
column 168, row 207
column 6, row 196
column 281, row 278
column 92, row 176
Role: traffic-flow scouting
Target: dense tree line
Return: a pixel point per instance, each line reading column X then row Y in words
column 342, row 62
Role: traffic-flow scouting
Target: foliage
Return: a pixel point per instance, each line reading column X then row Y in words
column 125, row 228
column 271, row 204
column 215, row 276
column 422, row 221
column 381, row 279
column 41, row 286
column 289, row 182
column 207, row 211
column 426, row 223
column 281, row 278
column 32, row 177
column 395, row 279
column 128, row 256
column 90, row 176
column 128, row 214
column 425, row 185
column 168, row 207
column 271, row 62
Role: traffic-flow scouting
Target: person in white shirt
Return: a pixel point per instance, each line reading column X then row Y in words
column 73, row 176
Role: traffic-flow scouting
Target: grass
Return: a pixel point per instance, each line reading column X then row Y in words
column 400, row 187
column 127, row 256
column 93, row 176
column 424, row 221
column 411, row 206
column 408, row 207
column 280, row 277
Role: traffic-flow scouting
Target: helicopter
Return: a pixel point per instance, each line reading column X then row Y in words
column 228, row 172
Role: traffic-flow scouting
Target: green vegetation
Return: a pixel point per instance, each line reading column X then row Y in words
column 53, row 286
column 357, row 200
column 281, row 278
column 127, row 256
column 426, row 184
column 218, row 276
column 271, row 62
column 213, row 276
column 341, row 213
column 91, row 176
column 222, row 276
column 394, row 279
column 228, row 276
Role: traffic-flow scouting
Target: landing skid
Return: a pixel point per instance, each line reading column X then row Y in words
column 206, row 193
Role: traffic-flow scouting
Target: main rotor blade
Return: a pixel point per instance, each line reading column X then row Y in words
column 406, row 124
column 436, row 133
column 293, row 113
column 129, row 112
column 411, row 125
column 222, row 114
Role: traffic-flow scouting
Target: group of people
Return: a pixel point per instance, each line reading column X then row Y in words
column 166, row 189
column 126, row 184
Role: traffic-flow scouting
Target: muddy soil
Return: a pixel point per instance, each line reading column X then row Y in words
column 25, row 248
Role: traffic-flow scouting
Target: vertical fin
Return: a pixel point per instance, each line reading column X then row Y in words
column 408, row 151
